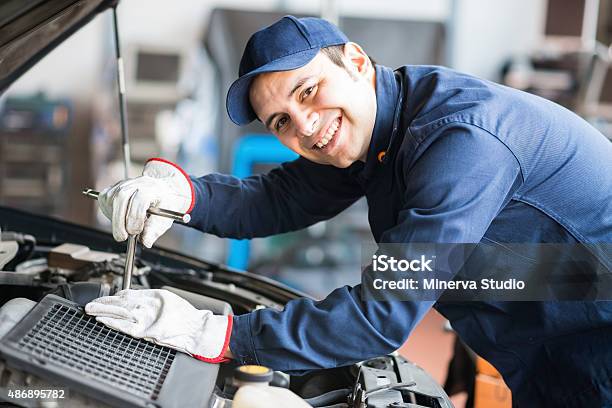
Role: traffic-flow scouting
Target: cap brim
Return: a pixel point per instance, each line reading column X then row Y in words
column 237, row 102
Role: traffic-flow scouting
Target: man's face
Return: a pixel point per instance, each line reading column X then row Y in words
column 321, row 111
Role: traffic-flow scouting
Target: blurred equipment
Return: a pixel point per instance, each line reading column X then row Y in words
column 461, row 374
column 153, row 72
column 572, row 67
column 152, row 75
column 569, row 18
column 572, row 79
column 249, row 151
column 34, row 167
column 468, row 372
column 490, row 390
column 597, row 107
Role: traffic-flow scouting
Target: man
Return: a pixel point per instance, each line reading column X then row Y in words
column 441, row 157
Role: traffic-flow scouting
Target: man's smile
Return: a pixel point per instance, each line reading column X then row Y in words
column 328, row 138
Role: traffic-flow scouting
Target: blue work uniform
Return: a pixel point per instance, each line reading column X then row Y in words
column 465, row 161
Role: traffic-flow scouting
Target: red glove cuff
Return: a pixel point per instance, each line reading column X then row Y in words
column 220, row 358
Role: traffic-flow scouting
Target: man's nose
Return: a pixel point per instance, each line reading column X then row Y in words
column 307, row 123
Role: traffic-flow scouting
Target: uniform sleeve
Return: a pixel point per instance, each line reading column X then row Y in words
column 454, row 191
column 293, row 196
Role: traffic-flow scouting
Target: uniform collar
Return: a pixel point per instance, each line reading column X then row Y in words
column 388, row 102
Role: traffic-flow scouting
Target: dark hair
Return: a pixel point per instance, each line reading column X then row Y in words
column 336, row 52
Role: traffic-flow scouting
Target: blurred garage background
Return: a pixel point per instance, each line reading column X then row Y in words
column 60, row 132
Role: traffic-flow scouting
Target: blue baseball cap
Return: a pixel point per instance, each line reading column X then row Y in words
column 288, row 44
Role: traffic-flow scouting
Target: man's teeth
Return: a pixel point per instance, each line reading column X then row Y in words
column 330, row 134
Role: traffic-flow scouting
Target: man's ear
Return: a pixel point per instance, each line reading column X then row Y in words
column 357, row 59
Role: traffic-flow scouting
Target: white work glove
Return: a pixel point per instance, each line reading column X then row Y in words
column 166, row 319
column 162, row 184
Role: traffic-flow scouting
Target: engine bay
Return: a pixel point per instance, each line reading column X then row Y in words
column 50, row 269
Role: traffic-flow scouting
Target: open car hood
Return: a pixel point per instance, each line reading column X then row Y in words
column 30, row 29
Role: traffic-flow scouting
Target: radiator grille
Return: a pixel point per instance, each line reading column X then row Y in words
column 69, row 338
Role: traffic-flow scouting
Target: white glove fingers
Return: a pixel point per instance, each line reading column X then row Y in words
column 123, row 293
column 123, row 326
column 169, row 345
column 137, row 212
column 120, row 208
column 106, row 310
column 154, row 227
column 124, row 299
column 105, row 200
column 118, row 299
column 161, row 181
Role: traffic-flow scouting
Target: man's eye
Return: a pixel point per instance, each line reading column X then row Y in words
column 308, row 91
column 281, row 123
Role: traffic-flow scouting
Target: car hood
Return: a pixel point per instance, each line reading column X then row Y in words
column 30, row 29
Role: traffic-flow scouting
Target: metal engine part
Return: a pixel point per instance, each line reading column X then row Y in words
column 13, row 379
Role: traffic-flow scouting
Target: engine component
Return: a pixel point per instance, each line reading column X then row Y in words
column 250, row 374
column 57, row 341
column 26, row 244
column 383, row 381
column 73, row 256
column 250, row 388
column 247, row 375
column 14, row 379
column 255, row 396
column 12, row 312
column 32, row 267
column 8, row 250
column 82, row 293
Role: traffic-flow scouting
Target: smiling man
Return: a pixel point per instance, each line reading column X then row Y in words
column 342, row 102
column 442, row 157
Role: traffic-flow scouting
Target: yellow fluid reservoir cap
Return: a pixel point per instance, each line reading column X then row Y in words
column 253, row 373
